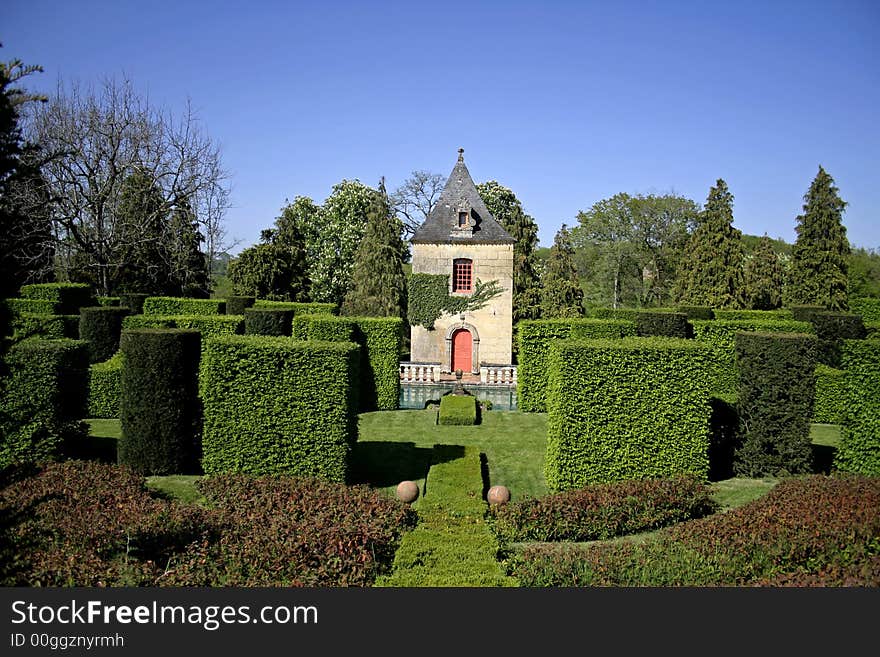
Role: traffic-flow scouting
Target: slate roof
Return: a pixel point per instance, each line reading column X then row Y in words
column 441, row 226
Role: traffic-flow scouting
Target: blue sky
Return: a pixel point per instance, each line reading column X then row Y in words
column 566, row 103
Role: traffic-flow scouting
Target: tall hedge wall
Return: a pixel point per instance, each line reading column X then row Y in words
column 777, row 386
column 159, row 408
column 535, row 338
column 104, row 387
column 380, row 339
column 267, row 321
column 299, row 308
column 183, row 306
column 100, row 327
column 720, row 334
column 43, row 398
column 46, row 327
column 830, row 398
column 70, row 296
column 859, row 449
column 867, row 307
column 634, row 408
column 274, row 405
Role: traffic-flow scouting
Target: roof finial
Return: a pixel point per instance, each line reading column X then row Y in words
column 461, row 155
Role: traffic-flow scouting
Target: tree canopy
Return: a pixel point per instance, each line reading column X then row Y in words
column 561, row 294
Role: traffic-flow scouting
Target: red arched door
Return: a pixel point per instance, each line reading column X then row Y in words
column 461, row 350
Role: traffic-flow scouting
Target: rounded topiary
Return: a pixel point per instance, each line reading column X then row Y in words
column 101, row 327
column 407, row 491
column 159, row 405
column 498, row 495
column 267, row 321
column 134, row 301
column 236, row 305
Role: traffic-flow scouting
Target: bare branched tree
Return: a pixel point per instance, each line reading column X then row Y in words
column 415, row 198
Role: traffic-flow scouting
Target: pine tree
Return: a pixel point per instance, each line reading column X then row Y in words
column 508, row 211
column 818, row 272
column 561, row 295
column 763, row 277
column 711, row 272
column 189, row 269
column 141, row 238
column 378, row 285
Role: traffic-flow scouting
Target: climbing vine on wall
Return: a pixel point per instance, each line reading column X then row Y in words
column 429, row 298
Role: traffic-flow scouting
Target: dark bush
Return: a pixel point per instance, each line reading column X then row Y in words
column 134, row 301
column 777, row 387
column 696, row 312
column 159, row 408
column 267, row 321
column 663, row 324
column 236, row 305
column 100, row 327
column 70, row 297
column 604, row 511
column 859, row 449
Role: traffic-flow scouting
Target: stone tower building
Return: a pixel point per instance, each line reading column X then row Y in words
column 462, row 240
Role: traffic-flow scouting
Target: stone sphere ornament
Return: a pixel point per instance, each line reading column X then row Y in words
column 498, row 495
column 407, row 491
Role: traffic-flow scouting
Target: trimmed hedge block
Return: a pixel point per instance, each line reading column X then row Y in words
column 859, row 449
column 721, row 335
column 33, row 306
column 663, row 324
column 831, row 328
column 636, row 408
column 323, row 327
column 104, row 387
column 267, row 321
column 458, row 410
column 134, row 301
column 159, row 409
column 210, row 326
column 45, row 327
column 829, row 405
column 183, row 306
column 780, row 315
column 867, row 307
column 100, row 327
column 278, row 406
column 44, row 398
column 777, row 387
column 535, row 338
column 804, row 313
column 696, row 312
column 70, row 296
column 299, row 308
column 236, row 305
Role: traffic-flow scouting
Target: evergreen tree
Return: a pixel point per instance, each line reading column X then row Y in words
column 378, row 283
column 507, row 209
column 818, row 273
column 273, row 269
column 561, row 295
column 189, row 274
column 140, row 238
column 763, row 277
column 712, row 268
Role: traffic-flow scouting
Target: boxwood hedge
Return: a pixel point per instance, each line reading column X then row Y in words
column 101, row 327
column 274, row 405
column 183, row 306
column 104, row 385
column 235, row 305
column 635, row 408
column 720, row 334
column 70, row 296
column 867, row 307
column 47, row 327
column 267, row 321
column 777, row 386
column 44, row 397
column 299, row 308
column 663, row 324
column 33, row 306
column 458, row 410
column 535, row 338
column 829, row 404
column 159, row 409
column 859, row 449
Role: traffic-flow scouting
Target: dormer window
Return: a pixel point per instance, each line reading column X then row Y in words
column 464, row 218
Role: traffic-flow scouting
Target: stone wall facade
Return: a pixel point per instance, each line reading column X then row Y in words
column 491, row 327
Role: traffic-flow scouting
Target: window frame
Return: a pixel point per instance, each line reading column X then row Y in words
column 457, row 278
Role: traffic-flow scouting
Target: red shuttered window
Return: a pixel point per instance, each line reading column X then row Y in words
column 462, row 275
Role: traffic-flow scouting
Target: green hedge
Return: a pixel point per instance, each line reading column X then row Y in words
column 663, row 324
column 236, row 305
column 458, row 410
column 867, row 307
column 831, row 328
column 720, row 334
column 159, row 408
column 872, row 330
column 70, row 296
column 44, row 397
column 381, row 340
column 777, row 386
column 859, row 449
column 635, row 408
column 696, row 312
column 267, row 321
column 46, row 327
column 104, row 386
column 109, row 301
column 804, row 313
column 274, row 405
column 100, row 327
column 134, row 301
column 751, row 315
column 146, row 321
column 183, row 306
column 33, row 306
column 829, row 405
column 535, row 338
column 452, row 545
column 210, row 326
column 299, row 308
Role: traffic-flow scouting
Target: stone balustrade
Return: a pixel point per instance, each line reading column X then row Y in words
column 420, row 372
column 498, row 375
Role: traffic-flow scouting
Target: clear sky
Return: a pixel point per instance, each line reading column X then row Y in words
column 566, row 103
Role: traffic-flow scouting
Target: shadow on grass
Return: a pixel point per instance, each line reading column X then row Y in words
column 381, row 464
